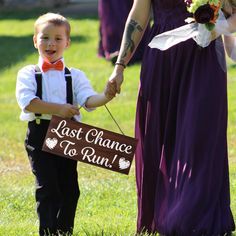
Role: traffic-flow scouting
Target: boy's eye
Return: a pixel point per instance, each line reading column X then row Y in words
column 44, row 37
column 58, row 39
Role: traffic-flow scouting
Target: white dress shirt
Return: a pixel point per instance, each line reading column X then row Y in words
column 53, row 88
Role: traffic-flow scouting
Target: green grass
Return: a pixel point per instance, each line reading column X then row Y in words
column 107, row 205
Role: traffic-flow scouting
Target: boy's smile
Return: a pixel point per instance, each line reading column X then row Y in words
column 51, row 41
column 50, row 52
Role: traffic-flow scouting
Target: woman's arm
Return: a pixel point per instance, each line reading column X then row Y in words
column 232, row 23
column 230, row 46
column 135, row 26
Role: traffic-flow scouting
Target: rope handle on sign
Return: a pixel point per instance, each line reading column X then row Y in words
column 111, row 117
column 114, row 119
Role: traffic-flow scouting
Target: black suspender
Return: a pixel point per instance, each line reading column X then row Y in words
column 69, row 89
column 38, row 78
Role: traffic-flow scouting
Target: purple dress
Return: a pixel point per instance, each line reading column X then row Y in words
column 113, row 15
column 181, row 161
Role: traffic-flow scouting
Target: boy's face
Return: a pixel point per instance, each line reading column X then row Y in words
column 51, row 41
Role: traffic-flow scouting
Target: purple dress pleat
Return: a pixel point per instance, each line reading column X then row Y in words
column 181, row 122
column 113, row 15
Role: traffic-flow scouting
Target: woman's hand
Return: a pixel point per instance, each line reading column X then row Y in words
column 110, row 90
column 117, row 77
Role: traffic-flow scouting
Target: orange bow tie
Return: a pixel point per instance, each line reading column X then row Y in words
column 55, row 66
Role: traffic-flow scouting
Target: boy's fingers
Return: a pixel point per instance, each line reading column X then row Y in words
column 112, row 89
column 110, row 93
column 114, row 86
column 75, row 110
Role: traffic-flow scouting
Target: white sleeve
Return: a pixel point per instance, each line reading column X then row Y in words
column 82, row 87
column 25, row 86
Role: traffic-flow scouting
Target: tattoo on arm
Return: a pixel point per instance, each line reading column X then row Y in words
column 132, row 27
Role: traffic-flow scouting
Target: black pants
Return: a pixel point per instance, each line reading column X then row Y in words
column 57, row 189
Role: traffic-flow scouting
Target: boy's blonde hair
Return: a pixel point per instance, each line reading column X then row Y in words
column 53, row 18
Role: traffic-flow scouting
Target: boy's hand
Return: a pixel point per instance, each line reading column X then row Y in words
column 110, row 90
column 68, row 111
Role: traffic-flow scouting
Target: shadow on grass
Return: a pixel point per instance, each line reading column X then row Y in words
column 233, row 66
column 14, row 49
column 8, row 14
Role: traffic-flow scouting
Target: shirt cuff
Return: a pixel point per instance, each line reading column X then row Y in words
column 25, row 102
column 84, row 101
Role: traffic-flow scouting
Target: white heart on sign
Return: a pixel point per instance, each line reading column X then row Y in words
column 123, row 164
column 51, row 143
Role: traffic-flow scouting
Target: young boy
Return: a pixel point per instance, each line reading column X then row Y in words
column 42, row 91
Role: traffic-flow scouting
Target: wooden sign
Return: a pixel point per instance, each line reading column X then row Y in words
column 89, row 144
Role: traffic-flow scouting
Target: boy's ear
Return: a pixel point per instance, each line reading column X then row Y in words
column 68, row 43
column 35, row 41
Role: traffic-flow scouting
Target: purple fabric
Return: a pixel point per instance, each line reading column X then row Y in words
column 181, row 121
column 113, row 15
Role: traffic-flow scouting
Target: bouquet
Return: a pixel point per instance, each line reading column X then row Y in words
column 207, row 23
column 204, row 12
